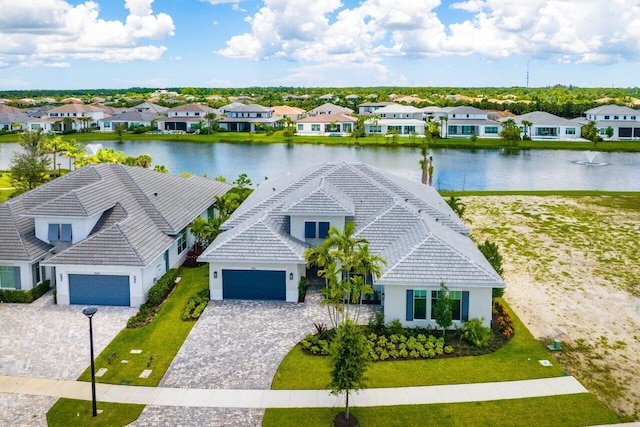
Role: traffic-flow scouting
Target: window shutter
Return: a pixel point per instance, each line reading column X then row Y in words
column 65, row 232
column 323, row 229
column 53, row 232
column 465, row 305
column 16, row 277
column 409, row 304
column 309, row 230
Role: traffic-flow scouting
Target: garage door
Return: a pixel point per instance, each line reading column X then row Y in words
column 254, row 284
column 99, row 289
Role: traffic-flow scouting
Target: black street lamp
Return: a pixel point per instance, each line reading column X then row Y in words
column 89, row 312
column 59, row 168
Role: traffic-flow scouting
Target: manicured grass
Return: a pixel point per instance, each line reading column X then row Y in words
column 162, row 338
column 68, row 412
column 566, row 410
column 564, row 193
column 518, row 360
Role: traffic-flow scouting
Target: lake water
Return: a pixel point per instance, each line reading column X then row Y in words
column 455, row 169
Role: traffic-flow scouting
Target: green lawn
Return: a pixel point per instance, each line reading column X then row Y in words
column 162, row 338
column 567, row 410
column 68, row 412
column 518, row 360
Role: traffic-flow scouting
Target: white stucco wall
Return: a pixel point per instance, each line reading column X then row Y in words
column 395, row 304
column 297, row 226
column 215, row 276
column 80, row 227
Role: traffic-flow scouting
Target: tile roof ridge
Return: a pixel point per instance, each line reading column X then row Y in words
column 124, row 236
column 18, row 231
column 280, row 236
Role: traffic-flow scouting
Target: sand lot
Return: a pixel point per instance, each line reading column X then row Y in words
column 572, row 267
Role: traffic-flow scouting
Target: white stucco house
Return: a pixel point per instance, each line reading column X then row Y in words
column 260, row 253
column 72, row 116
column 184, row 118
column 463, row 122
column 326, row 125
column 102, row 234
column 404, row 119
column 547, row 126
column 246, row 117
column 623, row 120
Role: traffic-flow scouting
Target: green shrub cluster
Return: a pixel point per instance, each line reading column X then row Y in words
column 25, row 297
column 157, row 294
column 403, row 347
column 476, row 334
column 196, row 305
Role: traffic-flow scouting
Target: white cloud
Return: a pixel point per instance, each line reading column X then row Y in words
column 327, row 31
column 51, row 32
column 217, row 2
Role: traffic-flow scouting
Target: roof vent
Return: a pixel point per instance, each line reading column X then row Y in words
column 155, row 193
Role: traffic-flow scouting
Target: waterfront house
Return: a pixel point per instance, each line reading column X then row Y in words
column 260, row 253
column 326, row 125
column 329, row 108
column 623, row 120
column 247, row 118
column 102, row 234
column 406, row 120
column 547, row 126
column 185, row 118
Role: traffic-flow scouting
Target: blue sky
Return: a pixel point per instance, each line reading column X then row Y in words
column 70, row 44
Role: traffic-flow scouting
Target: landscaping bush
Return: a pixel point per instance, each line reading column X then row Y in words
column 502, row 321
column 476, row 334
column 192, row 257
column 376, row 323
column 25, row 297
column 302, row 288
column 196, row 305
column 163, row 286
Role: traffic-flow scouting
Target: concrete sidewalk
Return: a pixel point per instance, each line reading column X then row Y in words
column 234, row 398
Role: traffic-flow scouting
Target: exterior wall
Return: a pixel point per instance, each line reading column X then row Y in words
column 80, row 227
column 26, row 276
column 135, row 280
column 307, row 129
column 297, row 226
column 395, row 304
column 186, row 114
column 479, row 116
column 560, row 132
column 155, row 270
column 384, row 125
column 215, row 276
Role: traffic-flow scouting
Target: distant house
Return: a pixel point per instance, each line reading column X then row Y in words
column 285, row 111
column 326, row 125
column 328, row 108
column 72, row 116
column 129, row 120
column 260, row 253
column 244, row 118
column 623, row 120
column 403, row 119
column 371, row 107
column 547, row 126
column 14, row 121
column 468, row 121
column 185, row 118
column 102, row 234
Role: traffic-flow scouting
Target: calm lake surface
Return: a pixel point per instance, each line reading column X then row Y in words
column 455, row 169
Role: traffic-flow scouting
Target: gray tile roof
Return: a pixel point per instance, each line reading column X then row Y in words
column 141, row 211
column 407, row 223
column 542, row 118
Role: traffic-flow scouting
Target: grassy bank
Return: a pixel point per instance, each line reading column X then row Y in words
column 368, row 141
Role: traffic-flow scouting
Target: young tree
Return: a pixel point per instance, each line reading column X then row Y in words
column 442, row 310
column 609, row 132
column 457, row 205
column 527, row 128
column 161, row 169
column 349, row 360
column 510, row 131
column 29, row 167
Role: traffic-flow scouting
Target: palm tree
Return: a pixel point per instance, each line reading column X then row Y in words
column 457, row 205
column 424, row 163
column 527, row 126
column 56, row 145
column 210, row 116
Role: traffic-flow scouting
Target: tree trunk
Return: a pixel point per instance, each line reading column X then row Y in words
column 347, row 406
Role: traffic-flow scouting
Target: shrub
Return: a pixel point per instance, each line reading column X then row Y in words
column 302, row 289
column 376, row 323
column 25, row 297
column 395, row 328
column 161, row 289
column 502, row 320
column 476, row 334
column 448, row 349
column 196, row 305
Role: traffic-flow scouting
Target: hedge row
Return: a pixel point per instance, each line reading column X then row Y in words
column 25, row 296
column 157, row 294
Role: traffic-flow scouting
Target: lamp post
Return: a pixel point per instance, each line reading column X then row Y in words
column 89, row 312
column 59, row 168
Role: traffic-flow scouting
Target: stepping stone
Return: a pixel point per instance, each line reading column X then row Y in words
column 101, row 372
column 136, row 351
column 545, row 363
column 146, row 373
column 124, row 361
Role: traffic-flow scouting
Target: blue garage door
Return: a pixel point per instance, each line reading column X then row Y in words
column 254, row 284
column 99, row 289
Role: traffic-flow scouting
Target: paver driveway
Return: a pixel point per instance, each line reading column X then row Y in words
column 238, row 345
column 49, row 341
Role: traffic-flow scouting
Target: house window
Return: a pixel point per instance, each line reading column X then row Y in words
column 196, row 114
column 60, row 232
column 300, row 127
column 182, row 241
column 632, row 117
column 106, row 124
column 309, row 230
column 616, row 117
column 315, row 128
column 409, row 130
column 456, row 303
column 419, row 305
column 375, row 129
column 570, row 131
column 491, row 130
column 9, row 277
column 606, row 117
column 346, row 127
column 323, row 229
column 453, row 130
column 468, row 130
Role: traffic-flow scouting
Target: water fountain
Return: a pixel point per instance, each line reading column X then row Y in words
column 589, row 159
column 92, row 149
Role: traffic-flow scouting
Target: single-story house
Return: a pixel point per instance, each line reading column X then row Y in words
column 14, row 121
column 260, row 253
column 129, row 119
column 326, row 125
column 547, row 126
column 102, row 234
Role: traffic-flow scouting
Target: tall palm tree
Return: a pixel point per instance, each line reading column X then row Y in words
column 424, row 163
